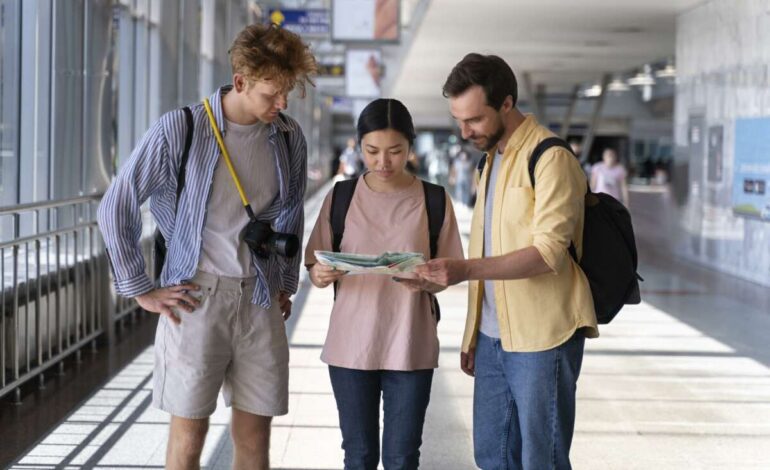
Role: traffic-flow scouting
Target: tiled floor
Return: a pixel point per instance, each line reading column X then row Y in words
column 680, row 381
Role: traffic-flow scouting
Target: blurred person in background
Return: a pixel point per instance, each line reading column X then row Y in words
column 350, row 160
column 609, row 176
column 461, row 176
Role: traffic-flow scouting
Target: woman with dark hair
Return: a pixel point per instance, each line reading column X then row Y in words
column 382, row 335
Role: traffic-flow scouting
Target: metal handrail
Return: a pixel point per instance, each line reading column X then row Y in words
column 59, row 298
column 30, row 206
column 49, row 234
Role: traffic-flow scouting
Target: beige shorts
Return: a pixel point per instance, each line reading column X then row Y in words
column 227, row 343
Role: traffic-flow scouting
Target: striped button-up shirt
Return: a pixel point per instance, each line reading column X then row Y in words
column 151, row 173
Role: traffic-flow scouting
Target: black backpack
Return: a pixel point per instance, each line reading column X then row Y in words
column 435, row 206
column 609, row 258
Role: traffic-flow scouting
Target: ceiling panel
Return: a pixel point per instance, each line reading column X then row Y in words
column 559, row 42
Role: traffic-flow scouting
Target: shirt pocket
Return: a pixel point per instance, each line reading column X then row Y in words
column 518, row 206
column 516, row 219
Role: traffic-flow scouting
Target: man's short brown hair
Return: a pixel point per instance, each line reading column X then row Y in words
column 269, row 52
column 490, row 72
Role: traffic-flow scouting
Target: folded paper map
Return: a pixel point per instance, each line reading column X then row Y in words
column 386, row 263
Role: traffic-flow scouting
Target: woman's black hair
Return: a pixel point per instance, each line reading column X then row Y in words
column 386, row 114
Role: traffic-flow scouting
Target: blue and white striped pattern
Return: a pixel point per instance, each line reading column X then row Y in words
column 151, row 173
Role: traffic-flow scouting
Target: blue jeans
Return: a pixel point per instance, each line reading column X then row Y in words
column 405, row 398
column 524, row 405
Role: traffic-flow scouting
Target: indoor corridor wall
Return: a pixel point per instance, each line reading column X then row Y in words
column 722, row 124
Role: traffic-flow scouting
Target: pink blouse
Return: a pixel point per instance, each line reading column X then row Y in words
column 377, row 323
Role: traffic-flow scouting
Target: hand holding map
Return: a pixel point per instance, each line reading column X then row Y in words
column 386, row 263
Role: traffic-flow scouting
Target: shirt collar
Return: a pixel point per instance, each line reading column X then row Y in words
column 519, row 136
column 280, row 124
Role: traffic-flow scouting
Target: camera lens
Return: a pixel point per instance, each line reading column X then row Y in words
column 263, row 240
column 284, row 244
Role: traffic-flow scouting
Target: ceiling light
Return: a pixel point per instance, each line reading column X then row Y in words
column 618, row 85
column 592, row 91
column 643, row 78
column 669, row 71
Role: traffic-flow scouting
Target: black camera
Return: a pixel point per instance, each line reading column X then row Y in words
column 263, row 240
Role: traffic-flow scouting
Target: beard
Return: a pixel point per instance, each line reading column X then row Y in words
column 493, row 139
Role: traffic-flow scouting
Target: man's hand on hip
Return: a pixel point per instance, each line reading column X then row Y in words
column 163, row 300
column 443, row 271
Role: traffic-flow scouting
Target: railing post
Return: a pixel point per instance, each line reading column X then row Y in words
column 77, row 282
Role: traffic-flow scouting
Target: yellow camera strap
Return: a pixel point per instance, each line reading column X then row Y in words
column 226, row 156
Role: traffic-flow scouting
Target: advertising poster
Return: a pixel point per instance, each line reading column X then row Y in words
column 363, row 72
column 365, row 20
column 751, row 170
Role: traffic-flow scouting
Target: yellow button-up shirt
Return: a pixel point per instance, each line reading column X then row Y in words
column 541, row 312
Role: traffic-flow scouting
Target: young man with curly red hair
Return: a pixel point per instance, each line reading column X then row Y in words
column 221, row 305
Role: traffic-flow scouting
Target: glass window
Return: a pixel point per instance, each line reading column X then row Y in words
column 67, row 131
column 189, row 64
column 10, row 20
column 98, row 102
column 36, row 96
column 125, row 84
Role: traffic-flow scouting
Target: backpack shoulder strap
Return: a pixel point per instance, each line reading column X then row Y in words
column 482, row 164
column 285, row 134
column 540, row 150
column 181, row 177
column 287, row 140
column 341, row 197
column 435, row 205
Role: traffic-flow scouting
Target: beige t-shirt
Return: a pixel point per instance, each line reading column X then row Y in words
column 223, row 251
column 377, row 323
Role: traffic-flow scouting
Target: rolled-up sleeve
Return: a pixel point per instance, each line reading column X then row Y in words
column 119, row 214
column 560, row 187
column 292, row 216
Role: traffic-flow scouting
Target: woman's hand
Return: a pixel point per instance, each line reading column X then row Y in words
column 321, row 276
column 419, row 285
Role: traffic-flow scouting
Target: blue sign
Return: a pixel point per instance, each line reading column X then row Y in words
column 312, row 22
column 342, row 104
column 751, row 168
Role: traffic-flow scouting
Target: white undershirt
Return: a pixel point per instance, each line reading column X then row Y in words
column 223, row 251
column 489, row 325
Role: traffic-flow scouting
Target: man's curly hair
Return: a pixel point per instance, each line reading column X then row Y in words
column 269, row 52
